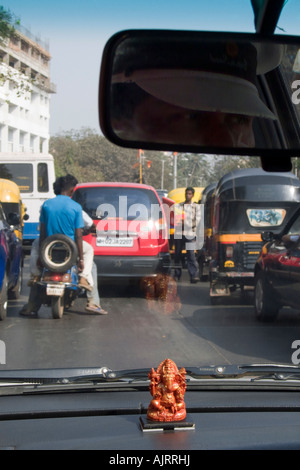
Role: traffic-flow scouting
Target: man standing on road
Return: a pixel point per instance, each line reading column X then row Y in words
column 185, row 235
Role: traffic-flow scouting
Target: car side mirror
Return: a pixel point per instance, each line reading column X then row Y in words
column 291, row 241
column 13, row 219
column 267, row 236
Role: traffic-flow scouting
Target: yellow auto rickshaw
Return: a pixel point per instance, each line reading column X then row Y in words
column 178, row 195
column 13, row 206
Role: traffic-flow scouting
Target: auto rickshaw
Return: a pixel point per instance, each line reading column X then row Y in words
column 246, row 203
column 13, row 206
column 204, row 254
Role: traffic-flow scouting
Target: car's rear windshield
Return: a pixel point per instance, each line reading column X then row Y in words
column 121, row 202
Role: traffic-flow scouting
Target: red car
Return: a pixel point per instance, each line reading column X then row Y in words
column 131, row 239
column 277, row 271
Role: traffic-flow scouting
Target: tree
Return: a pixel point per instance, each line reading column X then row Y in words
column 7, row 24
column 91, row 157
column 225, row 164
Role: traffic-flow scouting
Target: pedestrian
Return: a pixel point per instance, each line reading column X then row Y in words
column 185, row 236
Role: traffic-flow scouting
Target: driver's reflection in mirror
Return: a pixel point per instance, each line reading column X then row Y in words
column 172, row 124
column 211, row 104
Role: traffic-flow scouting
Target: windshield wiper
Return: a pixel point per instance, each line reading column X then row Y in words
column 71, row 376
column 248, row 371
column 98, row 375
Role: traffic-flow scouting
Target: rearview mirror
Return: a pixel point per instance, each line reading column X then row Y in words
column 218, row 93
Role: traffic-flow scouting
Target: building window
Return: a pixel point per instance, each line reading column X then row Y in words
column 24, row 46
column 22, row 142
column 10, row 143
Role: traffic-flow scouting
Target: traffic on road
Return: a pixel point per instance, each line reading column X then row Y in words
column 134, row 275
column 150, row 263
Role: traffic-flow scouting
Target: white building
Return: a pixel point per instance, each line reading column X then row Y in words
column 25, row 91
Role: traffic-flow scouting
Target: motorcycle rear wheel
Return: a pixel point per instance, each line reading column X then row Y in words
column 57, row 307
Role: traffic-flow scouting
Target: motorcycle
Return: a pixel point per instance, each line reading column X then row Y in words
column 59, row 279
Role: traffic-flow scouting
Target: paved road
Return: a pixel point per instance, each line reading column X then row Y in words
column 137, row 334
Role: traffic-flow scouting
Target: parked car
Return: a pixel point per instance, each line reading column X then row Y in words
column 277, row 271
column 131, row 240
column 10, row 262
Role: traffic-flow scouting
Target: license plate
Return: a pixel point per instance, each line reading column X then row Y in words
column 114, row 241
column 55, row 290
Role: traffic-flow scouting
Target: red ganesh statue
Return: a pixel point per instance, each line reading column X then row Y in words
column 167, row 386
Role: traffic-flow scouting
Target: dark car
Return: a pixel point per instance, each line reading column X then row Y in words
column 277, row 271
column 10, row 261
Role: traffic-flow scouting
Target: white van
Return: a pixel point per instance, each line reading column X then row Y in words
column 35, row 175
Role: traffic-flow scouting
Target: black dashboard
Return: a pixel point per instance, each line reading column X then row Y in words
column 110, row 421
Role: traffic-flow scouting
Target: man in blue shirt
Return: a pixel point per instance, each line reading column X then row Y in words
column 61, row 215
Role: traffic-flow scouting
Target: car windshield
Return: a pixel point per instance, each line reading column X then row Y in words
column 187, row 293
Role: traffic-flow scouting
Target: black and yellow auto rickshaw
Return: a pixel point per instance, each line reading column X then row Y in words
column 204, row 254
column 246, row 203
column 13, row 206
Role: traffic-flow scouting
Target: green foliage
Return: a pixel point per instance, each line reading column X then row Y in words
column 91, row 157
column 7, row 23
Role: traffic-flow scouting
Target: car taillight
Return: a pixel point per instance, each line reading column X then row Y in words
column 229, row 251
column 162, row 231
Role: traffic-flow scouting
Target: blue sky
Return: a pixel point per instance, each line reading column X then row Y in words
column 77, row 31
